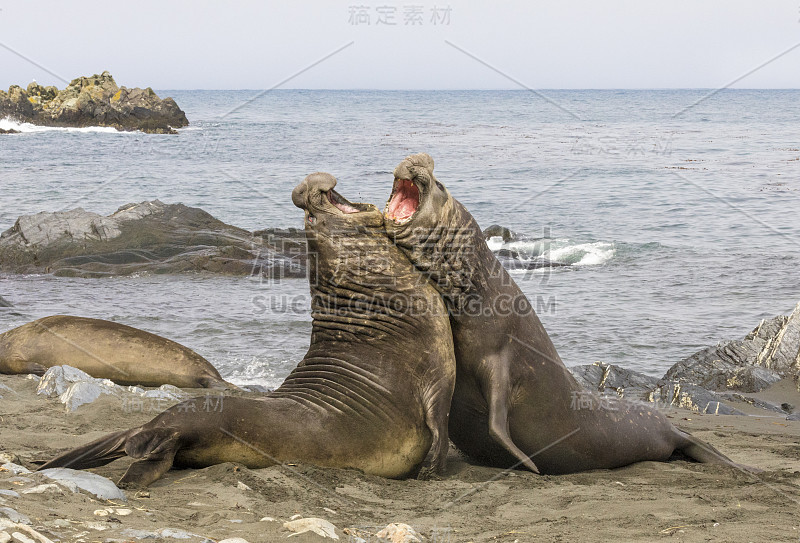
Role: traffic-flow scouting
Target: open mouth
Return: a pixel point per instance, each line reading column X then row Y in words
column 341, row 203
column 404, row 201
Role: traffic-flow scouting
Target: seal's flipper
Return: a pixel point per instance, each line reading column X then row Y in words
column 36, row 369
column 700, row 451
column 437, row 410
column 157, row 448
column 498, row 401
column 17, row 364
column 96, row 453
column 216, row 384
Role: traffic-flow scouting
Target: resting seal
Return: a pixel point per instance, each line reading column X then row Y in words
column 515, row 401
column 106, row 350
column 372, row 393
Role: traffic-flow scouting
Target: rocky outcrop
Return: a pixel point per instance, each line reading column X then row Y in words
column 150, row 237
column 616, row 382
column 716, row 379
column 766, row 355
column 9, row 131
column 698, row 399
column 610, row 379
column 93, row 101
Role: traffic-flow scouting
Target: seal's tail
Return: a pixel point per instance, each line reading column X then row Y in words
column 94, row 454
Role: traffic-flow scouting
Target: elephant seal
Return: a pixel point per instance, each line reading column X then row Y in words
column 515, row 401
column 106, row 350
column 372, row 393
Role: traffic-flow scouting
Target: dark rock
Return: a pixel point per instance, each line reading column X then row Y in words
column 44, row 94
column 9, row 131
column 150, row 237
column 497, row 231
column 93, row 101
column 290, row 243
column 755, row 402
column 614, row 381
column 611, row 379
column 507, row 253
column 691, row 397
column 5, row 303
column 767, row 354
column 713, row 379
column 15, row 104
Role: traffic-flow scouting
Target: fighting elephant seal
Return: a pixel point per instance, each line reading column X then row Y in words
column 372, row 393
column 515, row 402
column 106, row 350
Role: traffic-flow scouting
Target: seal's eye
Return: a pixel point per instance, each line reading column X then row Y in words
column 441, row 187
column 311, row 219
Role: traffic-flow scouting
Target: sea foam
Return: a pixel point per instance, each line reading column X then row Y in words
column 11, row 124
column 565, row 251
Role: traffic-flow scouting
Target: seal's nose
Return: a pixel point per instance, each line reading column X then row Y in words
column 422, row 159
column 405, row 170
column 316, row 182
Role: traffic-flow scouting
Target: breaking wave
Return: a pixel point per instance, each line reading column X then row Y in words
column 11, row 124
column 557, row 251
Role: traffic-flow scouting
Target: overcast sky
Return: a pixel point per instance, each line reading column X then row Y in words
column 256, row 45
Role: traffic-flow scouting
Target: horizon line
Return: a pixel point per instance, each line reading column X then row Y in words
column 371, row 89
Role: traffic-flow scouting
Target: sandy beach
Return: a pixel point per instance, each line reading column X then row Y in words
column 679, row 501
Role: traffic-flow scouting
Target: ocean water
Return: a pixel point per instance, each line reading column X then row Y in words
column 677, row 213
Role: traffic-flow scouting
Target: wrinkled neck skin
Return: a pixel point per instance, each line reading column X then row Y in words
column 481, row 297
column 363, row 290
column 451, row 251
